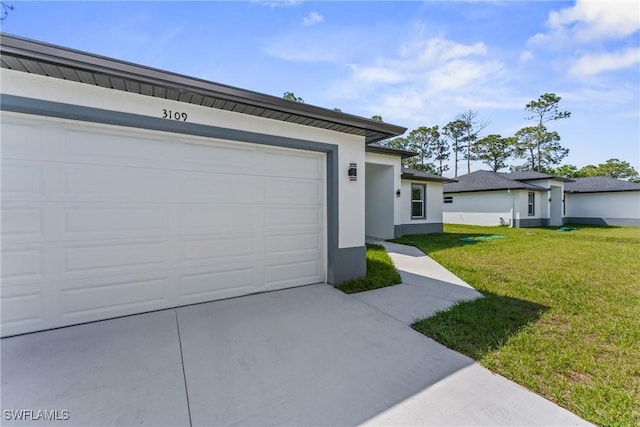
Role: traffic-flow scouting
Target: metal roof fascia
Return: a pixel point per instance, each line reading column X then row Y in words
column 389, row 151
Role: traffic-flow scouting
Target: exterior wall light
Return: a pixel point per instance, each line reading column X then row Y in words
column 398, row 193
column 353, row 171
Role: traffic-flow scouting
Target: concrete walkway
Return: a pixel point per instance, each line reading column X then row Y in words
column 427, row 287
column 308, row 356
column 473, row 395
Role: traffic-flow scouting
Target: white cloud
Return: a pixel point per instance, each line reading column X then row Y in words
column 590, row 20
column 526, row 56
column 312, row 19
column 593, row 24
column 292, row 52
column 277, row 3
column 428, row 81
column 439, row 49
column 460, row 74
column 436, row 64
column 592, row 64
column 599, row 19
column 377, row 74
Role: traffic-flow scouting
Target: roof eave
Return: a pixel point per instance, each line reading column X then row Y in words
column 390, row 151
column 494, row 189
column 428, row 179
column 77, row 60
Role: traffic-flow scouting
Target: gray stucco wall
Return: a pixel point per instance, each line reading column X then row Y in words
column 348, row 263
column 406, row 229
column 533, row 222
column 628, row 222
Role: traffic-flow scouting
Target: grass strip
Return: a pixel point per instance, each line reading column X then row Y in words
column 380, row 272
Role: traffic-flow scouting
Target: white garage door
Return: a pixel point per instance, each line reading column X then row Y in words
column 103, row 221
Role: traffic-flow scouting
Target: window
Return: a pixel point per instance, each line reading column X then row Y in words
column 448, row 199
column 532, row 204
column 417, row 201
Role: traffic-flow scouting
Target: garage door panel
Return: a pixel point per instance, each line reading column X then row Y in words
column 22, row 139
column 294, row 217
column 22, row 223
column 114, row 257
column 283, row 164
column 62, row 142
column 22, row 312
column 288, row 243
column 217, row 157
column 115, row 220
column 114, row 294
column 206, row 284
column 288, row 191
column 114, row 184
column 30, row 222
column 218, row 249
column 100, row 221
column 22, row 181
column 198, row 187
column 283, row 275
column 22, row 264
column 204, row 219
column 114, row 148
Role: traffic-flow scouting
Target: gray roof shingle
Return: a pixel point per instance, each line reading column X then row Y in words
column 532, row 175
column 487, row 181
column 526, row 175
column 598, row 184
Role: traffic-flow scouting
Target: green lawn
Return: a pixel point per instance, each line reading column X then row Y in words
column 380, row 272
column 561, row 313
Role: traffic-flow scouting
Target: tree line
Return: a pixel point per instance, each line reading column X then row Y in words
column 461, row 139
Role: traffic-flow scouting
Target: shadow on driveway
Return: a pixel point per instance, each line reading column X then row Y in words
column 482, row 325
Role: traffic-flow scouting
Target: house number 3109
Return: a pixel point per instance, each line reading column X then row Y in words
column 175, row 115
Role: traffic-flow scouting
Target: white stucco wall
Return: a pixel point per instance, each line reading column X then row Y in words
column 541, row 204
column 500, row 207
column 614, row 205
column 379, row 200
column 395, row 161
column 484, row 207
column 544, row 206
column 433, row 199
column 350, row 147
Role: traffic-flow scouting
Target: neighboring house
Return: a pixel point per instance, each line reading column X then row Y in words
column 518, row 199
column 400, row 201
column 601, row 200
column 127, row 189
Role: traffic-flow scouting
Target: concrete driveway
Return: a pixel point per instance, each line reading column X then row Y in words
column 309, row 356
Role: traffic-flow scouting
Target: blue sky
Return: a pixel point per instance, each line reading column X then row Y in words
column 414, row 63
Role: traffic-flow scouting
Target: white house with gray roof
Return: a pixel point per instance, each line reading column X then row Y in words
column 601, row 200
column 519, row 199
